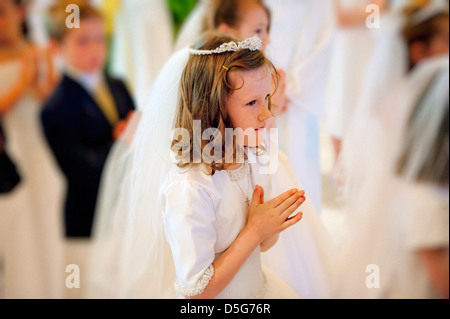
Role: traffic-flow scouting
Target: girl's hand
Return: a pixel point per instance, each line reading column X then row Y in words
column 46, row 76
column 269, row 218
column 120, row 127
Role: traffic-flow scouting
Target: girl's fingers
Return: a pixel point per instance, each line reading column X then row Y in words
column 288, row 202
column 292, row 221
column 261, row 196
column 281, row 198
column 257, row 195
column 285, row 214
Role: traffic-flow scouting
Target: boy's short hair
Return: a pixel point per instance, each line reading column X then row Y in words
column 57, row 16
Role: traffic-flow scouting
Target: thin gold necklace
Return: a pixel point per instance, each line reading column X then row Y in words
column 244, row 171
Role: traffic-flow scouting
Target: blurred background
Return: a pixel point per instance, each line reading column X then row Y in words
column 339, row 60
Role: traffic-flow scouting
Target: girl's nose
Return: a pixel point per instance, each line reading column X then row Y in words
column 265, row 40
column 264, row 114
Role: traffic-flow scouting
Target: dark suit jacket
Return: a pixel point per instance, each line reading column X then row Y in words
column 81, row 137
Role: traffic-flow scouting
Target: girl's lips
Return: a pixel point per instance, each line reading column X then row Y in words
column 260, row 128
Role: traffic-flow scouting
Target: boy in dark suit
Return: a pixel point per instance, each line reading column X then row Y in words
column 85, row 114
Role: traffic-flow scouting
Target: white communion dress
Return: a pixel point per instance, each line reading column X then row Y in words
column 31, row 237
column 203, row 215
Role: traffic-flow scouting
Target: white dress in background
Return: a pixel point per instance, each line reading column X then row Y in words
column 36, row 11
column 142, row 42
column 300, row 43
column 351, row 55
column 31, row 236
column 420, row 221
column 393, row 216
column 366, row 63
column 384, row 74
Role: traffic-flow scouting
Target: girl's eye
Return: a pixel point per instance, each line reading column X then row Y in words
column 251, row 103
column 258, row 31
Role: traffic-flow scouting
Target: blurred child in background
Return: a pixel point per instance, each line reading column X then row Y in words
column 83, row 117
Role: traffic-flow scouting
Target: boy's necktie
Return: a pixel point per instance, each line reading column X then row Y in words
column 105, row 101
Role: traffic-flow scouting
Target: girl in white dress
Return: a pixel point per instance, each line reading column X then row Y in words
column 31, row 234
column 218, row 252
column 309, row 281
column 208, row 209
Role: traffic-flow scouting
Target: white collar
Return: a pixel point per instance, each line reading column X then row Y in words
column 89, row 81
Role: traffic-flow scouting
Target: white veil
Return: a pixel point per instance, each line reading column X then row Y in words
column 129, row 250
column 373, row 237
column 385, row 72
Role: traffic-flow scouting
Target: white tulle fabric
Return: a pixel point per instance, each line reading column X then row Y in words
column 387, row 211
column 130, row 256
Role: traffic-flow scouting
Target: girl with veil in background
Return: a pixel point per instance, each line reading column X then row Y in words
column 397, row 190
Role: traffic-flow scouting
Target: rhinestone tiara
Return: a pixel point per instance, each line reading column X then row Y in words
column 254, row 43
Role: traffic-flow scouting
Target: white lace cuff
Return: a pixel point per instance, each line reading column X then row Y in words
column 199, row 288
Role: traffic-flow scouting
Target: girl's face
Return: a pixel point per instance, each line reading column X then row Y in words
column 254, row 21
column 11, row 18
column 248, row 106
column 440, row 44
column 85, row 48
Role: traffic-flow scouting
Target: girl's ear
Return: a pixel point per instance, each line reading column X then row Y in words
column 225, row 28
column 21, row 13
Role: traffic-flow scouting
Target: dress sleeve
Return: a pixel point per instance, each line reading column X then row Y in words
column 189, row 225
column 428, row 223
